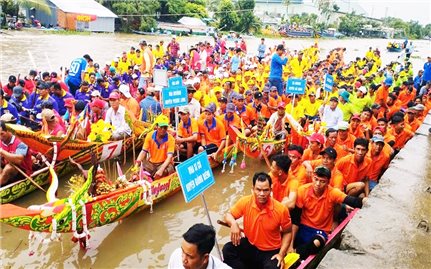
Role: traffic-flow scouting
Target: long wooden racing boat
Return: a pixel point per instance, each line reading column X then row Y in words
column 80, row 211
column 333, row 240
column 78, row 150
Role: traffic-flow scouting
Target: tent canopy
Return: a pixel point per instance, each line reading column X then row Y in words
column 189, row 21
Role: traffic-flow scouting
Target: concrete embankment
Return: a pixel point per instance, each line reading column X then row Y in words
column 394, row 229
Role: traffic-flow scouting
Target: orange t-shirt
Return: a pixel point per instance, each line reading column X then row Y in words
column 214, row 133
column 351, row 171
column 159, row 152
column 336, row 176
column 350, row 140
column 247, row 115
column 189, row 129
column 262, row 226
column 281, row 190
column 299, row 173
column 402, row 138
column 308, row 155
column 378, row 164
column 264, row 111
column 318, row 212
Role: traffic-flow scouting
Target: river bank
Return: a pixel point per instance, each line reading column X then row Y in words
column 393, row 230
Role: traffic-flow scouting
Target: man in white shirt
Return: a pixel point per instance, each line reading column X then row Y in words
column 195, row 251
column 193, row 105
column 331, row 114
column 278, row 120
column 116, row 116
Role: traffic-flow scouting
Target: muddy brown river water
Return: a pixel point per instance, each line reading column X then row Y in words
column 146, row 240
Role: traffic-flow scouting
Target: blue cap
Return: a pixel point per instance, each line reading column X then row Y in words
column 345, row 95
column 388, row 81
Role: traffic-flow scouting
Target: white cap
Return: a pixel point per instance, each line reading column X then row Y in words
column 363, row 89
column 95, row 93
column 124, row 89
column 343, row 125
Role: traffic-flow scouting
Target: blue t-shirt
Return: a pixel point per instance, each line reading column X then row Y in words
column 235, row 61
column 277, row 66
column 427, row 72
column 76, row 68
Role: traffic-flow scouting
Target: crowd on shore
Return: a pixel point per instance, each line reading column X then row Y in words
column 371, row 112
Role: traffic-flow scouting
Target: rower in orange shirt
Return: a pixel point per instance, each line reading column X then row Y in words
column 382, row 94
column 379, row 160
column 412, row 123
column 345, row 140
column 314, row 212
column 160, row 147
column 355, row 168
column 401, row 134
column 283, row 189
column 213, row 133
column 188, row 131
column 329, row 155
column 245, row 113
column 407, row 94
column 393, row 105
column 355, row 126
column 230, row 118
column 297, row 170
column 312, row 152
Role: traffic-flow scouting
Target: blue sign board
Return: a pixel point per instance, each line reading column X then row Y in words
column 195, row 176
column 175, row 94
column 175, row 82
column 329, row 82
column 295, row 86
column 174, row 97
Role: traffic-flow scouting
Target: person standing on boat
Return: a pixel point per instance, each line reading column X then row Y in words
column 267, row 229
column 261, row 49
column 147, row 65
column 13, row 153
column 277, row 62
column 77, row 72
column 116, row 116
column 195, row 251
column 314, row 212
column 158, row 150
column 173, row 49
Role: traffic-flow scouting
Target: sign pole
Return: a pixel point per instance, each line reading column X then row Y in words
column 176, row 129
column 210, row 222
column 293, row 101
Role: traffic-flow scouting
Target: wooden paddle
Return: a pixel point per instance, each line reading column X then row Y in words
column 26, row 176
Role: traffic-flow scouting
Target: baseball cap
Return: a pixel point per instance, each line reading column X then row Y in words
column 343, row 125
column 265, row 89
column 419, row 107
column 363, row 89
column 162, row 121
column 248, row 92
column 68, row 102
column 355, row 117
column 345, row 95
column 316, row 137
column 87, row 57
column 125, row 90
column 281, row 105
column 48, row 115
column 330, row 151
column 210, row 108
column 114, row 95
column 95, row 93
column 258, row 95
column 388, row 81
column 239, row 96
column 230, row 107
column 98, row 103
column 333, row 98
column 281, row 47
column 17, row 91
column 375, row 106
column 184, row 110
column 378, row 138
column 222, row 99
column 7, row 118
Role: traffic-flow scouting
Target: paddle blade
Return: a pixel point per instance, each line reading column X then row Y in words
column 290, row 259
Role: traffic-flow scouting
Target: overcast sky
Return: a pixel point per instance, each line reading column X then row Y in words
column 418, row 10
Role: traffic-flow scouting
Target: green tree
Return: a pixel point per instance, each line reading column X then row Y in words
column 135, row 14
column 173, row 10
column 247, row 21
column 350, row 24
column 226, row 16
column 41, row 5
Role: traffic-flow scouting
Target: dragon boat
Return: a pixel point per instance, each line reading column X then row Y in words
column 86, row 208
column 58, row 150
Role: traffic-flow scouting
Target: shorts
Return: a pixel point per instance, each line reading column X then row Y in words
column 210, row 148
column 306, row 234
column 372, row 184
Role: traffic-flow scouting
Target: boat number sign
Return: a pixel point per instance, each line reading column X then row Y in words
column 111, row 150
column 195, row 176
column 295, row 86
column 329, row 82
column 175, row 94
